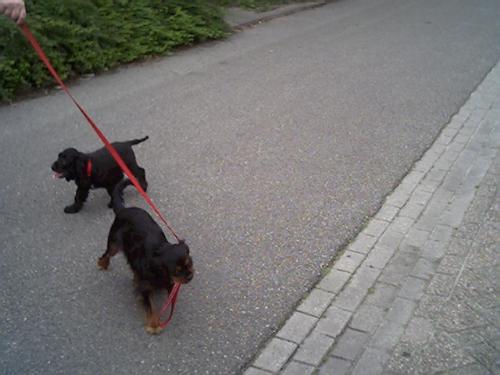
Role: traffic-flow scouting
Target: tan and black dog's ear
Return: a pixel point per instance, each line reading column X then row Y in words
column 182, row 241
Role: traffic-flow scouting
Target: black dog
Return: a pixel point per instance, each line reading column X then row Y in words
column 97, row 169
column 155, row 262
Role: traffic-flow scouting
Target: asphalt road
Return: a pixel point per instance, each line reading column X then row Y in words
column 268, row 151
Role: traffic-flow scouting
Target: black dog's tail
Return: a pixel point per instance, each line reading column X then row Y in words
column 137, row 141
column 118, row 203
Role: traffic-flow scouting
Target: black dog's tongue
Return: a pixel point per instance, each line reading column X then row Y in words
column 57, row 175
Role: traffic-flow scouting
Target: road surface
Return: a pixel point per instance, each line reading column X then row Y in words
column 268, row 152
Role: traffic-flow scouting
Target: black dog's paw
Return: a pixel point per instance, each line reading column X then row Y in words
column 72, row 209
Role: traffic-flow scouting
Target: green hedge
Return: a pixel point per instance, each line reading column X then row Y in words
column 84, row 36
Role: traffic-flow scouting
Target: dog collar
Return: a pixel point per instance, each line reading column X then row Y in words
column 89, row 168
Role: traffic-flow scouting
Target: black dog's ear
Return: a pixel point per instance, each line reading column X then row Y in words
column 79, row 165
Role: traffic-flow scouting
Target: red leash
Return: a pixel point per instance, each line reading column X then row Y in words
column 36, row 46
column 172, row 299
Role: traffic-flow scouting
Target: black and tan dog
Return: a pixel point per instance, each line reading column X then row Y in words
column 97, row 169
column 155, row 262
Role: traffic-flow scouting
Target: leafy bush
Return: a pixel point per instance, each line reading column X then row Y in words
column 84, row 36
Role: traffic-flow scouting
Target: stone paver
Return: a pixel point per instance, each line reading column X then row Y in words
column 256, row 371
column 334, row 281
column 316, row 302
column 367, row 318
column 363, row 243
column 297, row 327
column 381, row 294
column 349, row 261
column 415, row 292
column 351, row 344
column 313, row 349
column 412, row 288
column 275, row 355
column 334, row 322
column 371, row 362
column 335, row 366
column 297, row 368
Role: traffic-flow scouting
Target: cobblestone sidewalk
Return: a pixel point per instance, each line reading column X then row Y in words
column 415, row 293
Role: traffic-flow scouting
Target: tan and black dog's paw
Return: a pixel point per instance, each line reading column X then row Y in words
column 103, row 263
